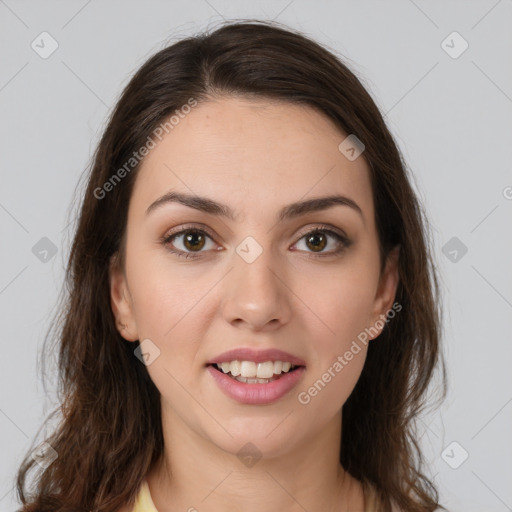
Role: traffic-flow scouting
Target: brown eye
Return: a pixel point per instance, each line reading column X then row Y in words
column 189, row 241
column 194, row 240
column 317, row 241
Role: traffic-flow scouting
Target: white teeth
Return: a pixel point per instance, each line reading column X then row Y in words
column 265, row 370
column 234, row 368
column 250, row 369
column 254, row 381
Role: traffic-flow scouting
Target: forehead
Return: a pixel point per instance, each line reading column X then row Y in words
column 252, row 153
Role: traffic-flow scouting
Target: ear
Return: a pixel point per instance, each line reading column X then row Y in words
column 121, row 302
column 386, row 292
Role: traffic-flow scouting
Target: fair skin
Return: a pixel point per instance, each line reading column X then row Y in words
column 255, row 156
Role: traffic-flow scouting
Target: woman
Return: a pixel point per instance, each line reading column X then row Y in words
column 252, row 318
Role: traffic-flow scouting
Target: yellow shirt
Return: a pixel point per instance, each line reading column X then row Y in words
column 144, row 503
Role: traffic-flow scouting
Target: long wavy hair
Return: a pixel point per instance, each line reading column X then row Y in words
column 109, row 432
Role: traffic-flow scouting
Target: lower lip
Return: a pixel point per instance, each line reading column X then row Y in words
column 256, row 394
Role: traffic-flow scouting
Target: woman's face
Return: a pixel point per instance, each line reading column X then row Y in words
column 257, row 279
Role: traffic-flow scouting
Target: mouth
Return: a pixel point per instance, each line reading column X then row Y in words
column 251, row 389
column 256, row 377
column 250, row 372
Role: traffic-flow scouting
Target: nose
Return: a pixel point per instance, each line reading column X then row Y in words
column 257, row 295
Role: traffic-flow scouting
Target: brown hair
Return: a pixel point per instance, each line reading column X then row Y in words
column 110, row 432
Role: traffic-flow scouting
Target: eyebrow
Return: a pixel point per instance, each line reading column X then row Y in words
column 290, row 211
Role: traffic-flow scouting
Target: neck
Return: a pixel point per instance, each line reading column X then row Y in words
column 196, row 474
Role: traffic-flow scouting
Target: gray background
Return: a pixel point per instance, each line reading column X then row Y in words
column 450, row 116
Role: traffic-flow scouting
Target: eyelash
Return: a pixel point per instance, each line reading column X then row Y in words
column 166, row 240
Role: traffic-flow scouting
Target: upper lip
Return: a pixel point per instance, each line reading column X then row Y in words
column 258, row 356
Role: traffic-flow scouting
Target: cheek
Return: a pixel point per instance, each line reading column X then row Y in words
column 169, row 309
column 343, row 301
column 166, row 296
column 324, row 394
column 338, row 352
